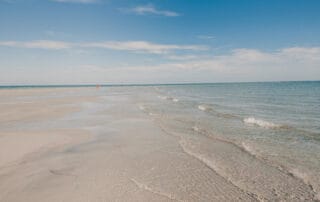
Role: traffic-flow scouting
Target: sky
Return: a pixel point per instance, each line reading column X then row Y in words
column 158, row 41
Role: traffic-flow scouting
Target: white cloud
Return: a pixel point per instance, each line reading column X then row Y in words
column 293, row 63
column 41, row 44
column 133, row 46
column 244, row 59
column 150, row 9
column 144, row 46
column 297, row 63
column 206, row 37
column 238, row 65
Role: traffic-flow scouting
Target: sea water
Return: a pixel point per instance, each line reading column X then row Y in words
column 275, row 125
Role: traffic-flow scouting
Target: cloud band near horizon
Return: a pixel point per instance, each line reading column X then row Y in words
column 292, row 63
column 134, row 46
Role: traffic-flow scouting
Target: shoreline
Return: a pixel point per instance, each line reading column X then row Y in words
column 106, row 145
column 43, row 86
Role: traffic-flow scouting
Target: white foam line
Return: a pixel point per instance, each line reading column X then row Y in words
column 202, row 108
column 147, row 188
column 212, row 166
column 249, row 149
column 305, row 179
column 141, row 107
column 195, row 128
column 261, row 123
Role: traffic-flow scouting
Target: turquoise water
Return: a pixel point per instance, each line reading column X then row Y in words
column 276, row 122
column 294, row 106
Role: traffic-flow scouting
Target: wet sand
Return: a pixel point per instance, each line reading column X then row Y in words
column 95, row 145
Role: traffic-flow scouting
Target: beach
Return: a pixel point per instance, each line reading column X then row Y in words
column 140, row 143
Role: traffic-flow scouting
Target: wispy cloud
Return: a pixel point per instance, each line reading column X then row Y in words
column 40, row 44
column 206, row 37
column 294, row 63
column 144, row 46
column 184, row 57
column 242, row 60
column 133, row 46
column 76, row 1
column 151, row 10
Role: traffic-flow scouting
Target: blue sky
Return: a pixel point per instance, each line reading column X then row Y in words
column 160, row 41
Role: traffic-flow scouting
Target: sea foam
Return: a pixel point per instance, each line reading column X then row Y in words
column 162, row 97
column 260, row 123
column 195, row 128
column 141, row 107
column 204, row 107
column 248, row 148
column 168, row 98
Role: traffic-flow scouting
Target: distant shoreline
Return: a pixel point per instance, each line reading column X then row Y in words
column 148, row 84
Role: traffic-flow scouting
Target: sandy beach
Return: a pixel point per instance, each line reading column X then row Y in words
column 87, row 144
column 159, row 100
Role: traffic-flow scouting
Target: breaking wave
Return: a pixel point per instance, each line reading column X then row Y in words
column 204, row 107
column 168, row 98
column 261, row 123
column 210, row 110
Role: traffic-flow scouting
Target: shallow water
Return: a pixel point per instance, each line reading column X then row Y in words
column 277, row 124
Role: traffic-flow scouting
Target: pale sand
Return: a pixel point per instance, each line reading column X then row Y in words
column 93, row 147
column 15, row 146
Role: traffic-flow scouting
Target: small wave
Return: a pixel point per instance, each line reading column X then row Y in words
column 204, row 108
column 301, row 175
column 306, row 179
column 210, row 110
column 142, row 108
column 195, row 128
column 162, row 97
column 147, row 188
column 172, row 99
column 261, row 123
column 175, row 100
column 168, row 98
column 248, row 148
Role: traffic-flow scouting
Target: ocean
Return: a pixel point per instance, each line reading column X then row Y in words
column 275, row 126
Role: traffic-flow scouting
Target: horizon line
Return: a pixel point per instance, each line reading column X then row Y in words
column 140, row 84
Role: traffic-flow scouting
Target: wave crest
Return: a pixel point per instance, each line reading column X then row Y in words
column 175, row 100
column 168, row 98
column 261, row 123
column 204, row 107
